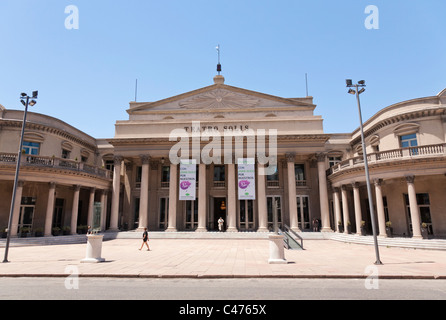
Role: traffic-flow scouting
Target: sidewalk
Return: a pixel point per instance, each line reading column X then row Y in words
column 223, row 258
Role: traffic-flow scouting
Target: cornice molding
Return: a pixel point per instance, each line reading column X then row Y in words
column 9, row 123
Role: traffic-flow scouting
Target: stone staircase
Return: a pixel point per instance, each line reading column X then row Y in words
column 427, row 244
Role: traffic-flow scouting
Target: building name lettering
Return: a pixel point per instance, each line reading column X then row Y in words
column 216, row 128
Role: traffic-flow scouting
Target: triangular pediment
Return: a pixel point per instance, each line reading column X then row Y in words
column 217, row 97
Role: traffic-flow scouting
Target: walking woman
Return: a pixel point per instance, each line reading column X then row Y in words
column 145, row 239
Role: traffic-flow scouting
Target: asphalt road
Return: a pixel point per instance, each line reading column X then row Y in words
column 73, row 288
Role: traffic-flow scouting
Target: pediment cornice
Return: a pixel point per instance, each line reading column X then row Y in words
column 216, row 97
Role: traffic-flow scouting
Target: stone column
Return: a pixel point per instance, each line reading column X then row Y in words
column 323, row 193
column 261, row 198
column 50, row 210
column 232, row 199
column 75, row 209
column 414, row 210
column 357, row 202
column 16, row 213
column 380, row 208
column 104, row 197
column 202, row 198
column 91, row 207
column 292, row 192
column 144, row 194
column 345, row 211
column 337, row 207
column 114, row 217
column 173, row 194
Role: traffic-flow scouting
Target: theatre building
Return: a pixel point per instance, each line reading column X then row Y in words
column 135, row 179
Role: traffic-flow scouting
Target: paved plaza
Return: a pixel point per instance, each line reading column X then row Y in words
column 223, row 258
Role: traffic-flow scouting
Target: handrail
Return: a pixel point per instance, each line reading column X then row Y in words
column 285, row 239
column 288, row 229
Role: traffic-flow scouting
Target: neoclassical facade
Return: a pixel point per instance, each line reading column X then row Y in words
column 133, row 180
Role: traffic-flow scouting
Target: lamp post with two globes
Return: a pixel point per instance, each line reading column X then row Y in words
column 25, row 100
column 357, row 91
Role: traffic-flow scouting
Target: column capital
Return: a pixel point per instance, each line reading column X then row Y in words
column 20, row 183
column 320, row 157
column 355, row 185
column 410, row 179
column 290, row 157
column 117, row 160
column 336, row 189
column 344, row 187
column 378, row 182
column 52, row 185
column 145, row 158
column 77, row 187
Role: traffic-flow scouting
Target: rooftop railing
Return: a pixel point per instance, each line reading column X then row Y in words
column 53, row 162
column 419, row 152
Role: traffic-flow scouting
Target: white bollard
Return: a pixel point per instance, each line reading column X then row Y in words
column 94, row 249
column 276, row 249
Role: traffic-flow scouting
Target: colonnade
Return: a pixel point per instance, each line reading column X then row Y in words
column 341, row 208
column 231, row 195
column 49, row 214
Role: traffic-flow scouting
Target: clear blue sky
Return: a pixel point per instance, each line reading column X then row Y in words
column 86, row 77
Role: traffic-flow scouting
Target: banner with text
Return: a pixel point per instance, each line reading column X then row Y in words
column 246, row 179
column 188, row 174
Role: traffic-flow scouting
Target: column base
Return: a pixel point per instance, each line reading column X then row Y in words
column 201, row 230
column 171, row 229
column 231, row 229
column 327, row 230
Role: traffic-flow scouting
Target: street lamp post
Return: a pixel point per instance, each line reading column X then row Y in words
column 25, row 99
column 357, row 91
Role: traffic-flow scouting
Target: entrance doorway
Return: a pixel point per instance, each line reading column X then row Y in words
column 270, row 200
column 219, row 211
column 26, row 217
column 246, row 221
column 303, row 208
column 191, row 214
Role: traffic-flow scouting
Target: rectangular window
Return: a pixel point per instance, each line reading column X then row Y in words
column 270, row 201
column 165, row 174
column 332, row 161
column 274, row 176
column 409, row 140
column 65, row 154
column 58, row 213
column 219, row 173
column 138, row 176
column 31, row 148
column 26, row 216
column 163, row 213
column 299, row 172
